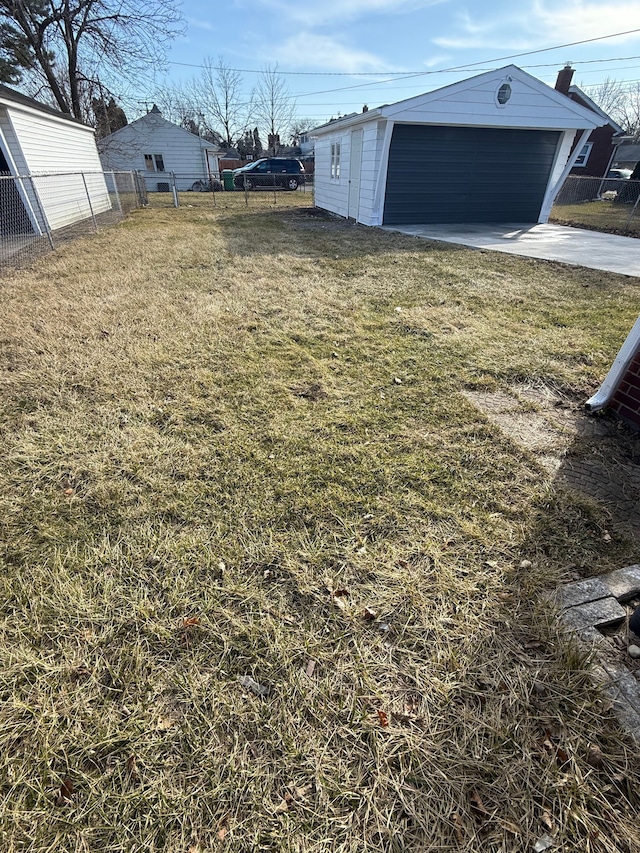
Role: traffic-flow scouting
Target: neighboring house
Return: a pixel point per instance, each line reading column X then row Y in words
column 492, row 148
column 306, row 144
column 159, row 150
column 596, row 155
column 37, row 140
column 620, row 390
column 627, row 155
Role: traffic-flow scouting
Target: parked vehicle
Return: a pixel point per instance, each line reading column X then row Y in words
column 285, row 172
column 620, row 174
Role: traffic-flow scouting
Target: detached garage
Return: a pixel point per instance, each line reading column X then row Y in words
column 59, row 155
column 493, row 148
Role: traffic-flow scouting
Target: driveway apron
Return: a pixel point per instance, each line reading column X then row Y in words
column 549, row 242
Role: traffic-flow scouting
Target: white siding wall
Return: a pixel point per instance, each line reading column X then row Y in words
column 331, row 193
column 475, row 105
column 44, row 144
column 181, row 151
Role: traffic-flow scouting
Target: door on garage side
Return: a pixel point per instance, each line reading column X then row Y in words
column 467, row 174
column 355, row 165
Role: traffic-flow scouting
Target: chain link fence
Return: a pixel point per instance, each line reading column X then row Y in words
column 173, row 189
column 601, row 204
column 39, row 213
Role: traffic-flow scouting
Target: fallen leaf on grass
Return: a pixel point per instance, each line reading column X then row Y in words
column 311, row 665
column 68, row 492
column 405, row 719
column 66, row 792
column 190, row 621
column 221, row 834
column 303, row 792
column 369, row 614
column 132, row 769
column 250, row 683
column 560, row 754
column 457, row 826
column 547, row 820
column 283, row 806
column 383, row 719
column 339, row 597
column 164, row 724
column 477, row 806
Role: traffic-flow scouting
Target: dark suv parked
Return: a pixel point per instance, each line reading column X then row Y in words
column 273, row 171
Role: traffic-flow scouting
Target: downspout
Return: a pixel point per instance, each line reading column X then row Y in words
column 604, row 394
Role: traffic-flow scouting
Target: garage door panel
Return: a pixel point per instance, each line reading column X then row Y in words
column 453, row 174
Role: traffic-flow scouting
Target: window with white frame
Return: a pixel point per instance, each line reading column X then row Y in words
column 154, row 162
column 335, row 160
column 583, row 156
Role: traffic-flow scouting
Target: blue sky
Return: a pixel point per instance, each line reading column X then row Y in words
column 385, row 37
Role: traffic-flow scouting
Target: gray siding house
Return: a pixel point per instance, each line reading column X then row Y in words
column 158, row 149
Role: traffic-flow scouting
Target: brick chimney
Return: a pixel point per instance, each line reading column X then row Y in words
column 565, row 76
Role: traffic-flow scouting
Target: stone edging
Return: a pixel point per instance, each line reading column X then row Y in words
column 587, row 607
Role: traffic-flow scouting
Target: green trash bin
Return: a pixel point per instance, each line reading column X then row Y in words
column 227, row 179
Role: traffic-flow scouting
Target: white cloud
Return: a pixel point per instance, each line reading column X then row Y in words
column 576, row 19
column 318, row 13
column 306, row 50
column 201, row 25
column 543, row 22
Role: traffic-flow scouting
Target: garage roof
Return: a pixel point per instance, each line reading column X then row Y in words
column 473, row 102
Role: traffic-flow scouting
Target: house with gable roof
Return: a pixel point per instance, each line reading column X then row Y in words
column 159, row 149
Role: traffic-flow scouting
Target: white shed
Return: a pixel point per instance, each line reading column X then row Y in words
column 492, row 148
column 159, row 150
column 37, row 140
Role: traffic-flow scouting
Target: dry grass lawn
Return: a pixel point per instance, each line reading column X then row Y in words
column 599, row 216
column 260, row 558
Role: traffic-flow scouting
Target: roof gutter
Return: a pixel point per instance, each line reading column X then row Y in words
column 602, row 398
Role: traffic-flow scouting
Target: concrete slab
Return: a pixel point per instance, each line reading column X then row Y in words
column 592, row 249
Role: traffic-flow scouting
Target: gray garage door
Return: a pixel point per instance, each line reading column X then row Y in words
column 467, row 174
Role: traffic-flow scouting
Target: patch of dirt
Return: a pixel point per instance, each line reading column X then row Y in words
column 594, row 455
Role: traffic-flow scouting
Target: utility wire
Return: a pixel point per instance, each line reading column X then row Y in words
column 437, row 71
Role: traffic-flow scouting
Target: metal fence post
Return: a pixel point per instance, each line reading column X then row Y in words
column 45, row 221
column 115, row 191
column 631, row 215
column 86, row 189
column 174, row 190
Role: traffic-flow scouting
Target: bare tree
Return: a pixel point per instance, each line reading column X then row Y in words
column 621, row 101
column 177, row 104
column 299, row 128
column 629, row 112
column 219, row 95
column 69, row 41
column 274, row 107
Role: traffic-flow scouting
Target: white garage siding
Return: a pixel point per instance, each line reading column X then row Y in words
column 40, row 143
column 530, row 106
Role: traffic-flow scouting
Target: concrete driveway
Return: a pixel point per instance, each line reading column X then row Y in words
column 550, row 242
